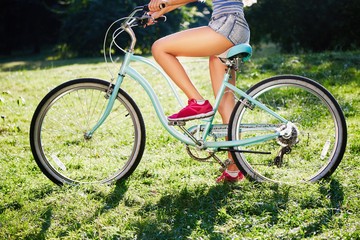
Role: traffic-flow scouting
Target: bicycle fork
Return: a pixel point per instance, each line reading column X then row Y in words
column 111, row 95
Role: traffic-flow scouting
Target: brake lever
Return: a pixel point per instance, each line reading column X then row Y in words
column 144, row 19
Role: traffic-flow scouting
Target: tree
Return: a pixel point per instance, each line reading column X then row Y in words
column 80, row 25
column 308, row 25
column 85, row 24
column 26, row 25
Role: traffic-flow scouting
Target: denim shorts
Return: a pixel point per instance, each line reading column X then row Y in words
column 233, row 26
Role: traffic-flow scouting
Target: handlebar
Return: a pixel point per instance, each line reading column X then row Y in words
column 138, row 17
column 142, row 20
column 146, row 8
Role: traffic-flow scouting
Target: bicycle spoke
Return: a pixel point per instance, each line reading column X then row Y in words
column 318, row 138
column 58, row 134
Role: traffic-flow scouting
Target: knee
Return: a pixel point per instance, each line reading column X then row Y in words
column 156, row 49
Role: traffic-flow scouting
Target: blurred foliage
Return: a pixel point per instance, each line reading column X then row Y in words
column 307, row 25
column 77, row 27
column 86, row 22
column 27, row 26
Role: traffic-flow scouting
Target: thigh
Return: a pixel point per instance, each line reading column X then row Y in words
column 195, row 42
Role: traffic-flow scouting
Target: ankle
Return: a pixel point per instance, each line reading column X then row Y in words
column 232, row 167
column 200, row 101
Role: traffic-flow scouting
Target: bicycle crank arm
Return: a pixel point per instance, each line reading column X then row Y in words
column 243, row 151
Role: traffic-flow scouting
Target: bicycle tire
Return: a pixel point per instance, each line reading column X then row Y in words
column 66, row 113
column 321, row 132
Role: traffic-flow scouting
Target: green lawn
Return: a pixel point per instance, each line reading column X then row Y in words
column 171, row 196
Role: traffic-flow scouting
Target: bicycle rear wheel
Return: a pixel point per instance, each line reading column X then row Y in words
column 60, row 147
column 318, row 140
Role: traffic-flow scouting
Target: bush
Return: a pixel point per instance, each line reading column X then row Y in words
column 307, row 25
column 86, row 22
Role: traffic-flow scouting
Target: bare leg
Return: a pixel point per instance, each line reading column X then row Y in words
column 196, row 42
column 217, row 71
column 190, row 43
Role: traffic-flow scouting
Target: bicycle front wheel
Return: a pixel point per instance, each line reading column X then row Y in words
column 58, row 141
column 318, row 137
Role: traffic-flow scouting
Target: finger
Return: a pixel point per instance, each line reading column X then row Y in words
column 154, row 6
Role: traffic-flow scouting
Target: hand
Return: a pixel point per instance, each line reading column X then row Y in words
column 151, row 20
column 153, row 17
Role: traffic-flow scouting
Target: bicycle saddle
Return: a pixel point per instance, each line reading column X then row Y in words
column 243, row 51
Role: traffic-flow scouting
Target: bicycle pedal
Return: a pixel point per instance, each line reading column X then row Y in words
column 176, row 123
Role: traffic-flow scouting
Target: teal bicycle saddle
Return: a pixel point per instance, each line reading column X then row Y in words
column 243, row 51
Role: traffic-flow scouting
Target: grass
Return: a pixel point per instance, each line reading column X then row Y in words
column 171, row 196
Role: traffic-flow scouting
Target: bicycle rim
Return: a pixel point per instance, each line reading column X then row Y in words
column 66, row 114
column 318, row 140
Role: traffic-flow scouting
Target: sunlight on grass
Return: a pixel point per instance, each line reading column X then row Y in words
column 171, row 196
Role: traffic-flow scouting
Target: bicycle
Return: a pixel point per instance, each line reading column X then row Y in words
column 283, row 129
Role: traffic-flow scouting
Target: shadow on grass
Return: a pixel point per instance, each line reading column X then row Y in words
column 225, row 210
column 40, row 62
column 34, row 64
column 214, row 212
column 207, row 211
column 46, row 223
column 332, row 190
column 111, row 201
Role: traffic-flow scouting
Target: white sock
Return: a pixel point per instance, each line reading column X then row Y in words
column 232, row 173
column 200, row 102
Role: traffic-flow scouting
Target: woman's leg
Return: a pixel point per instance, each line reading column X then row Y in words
column 217, row 71
column 196, row 42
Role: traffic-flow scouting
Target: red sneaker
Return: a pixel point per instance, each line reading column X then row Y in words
column 193, row 111
column 225, row 177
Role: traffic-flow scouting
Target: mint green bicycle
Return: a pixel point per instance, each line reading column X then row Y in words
column 283, row 129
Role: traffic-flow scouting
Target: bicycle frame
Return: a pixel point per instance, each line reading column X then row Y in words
column 262, row 144
column 126, row 69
